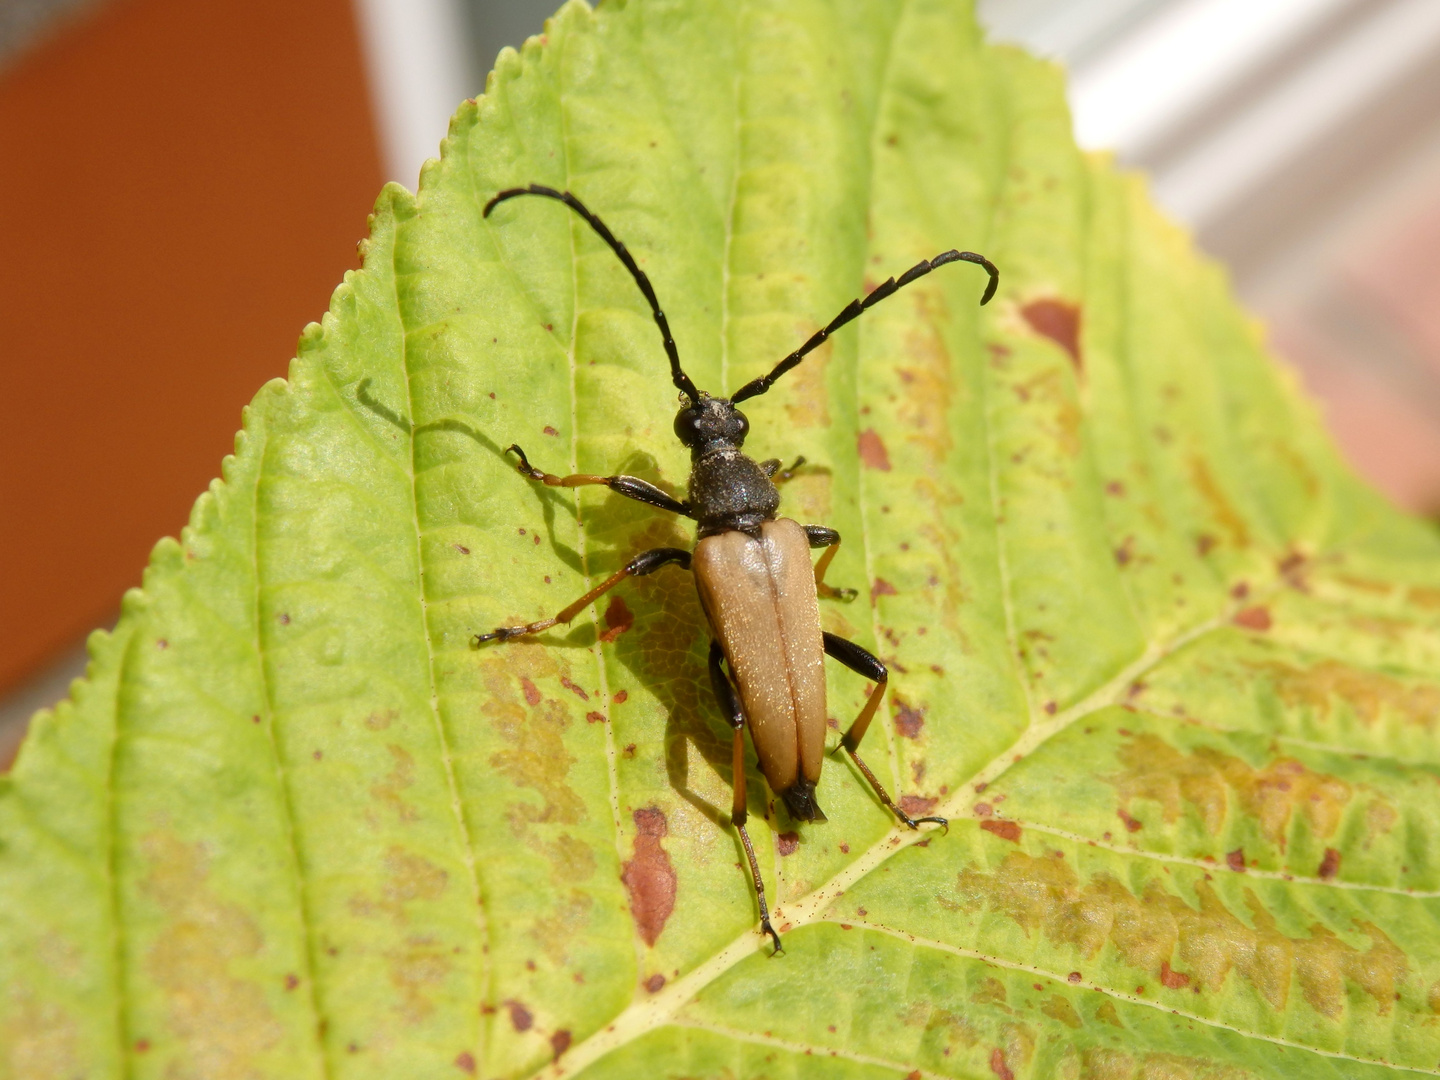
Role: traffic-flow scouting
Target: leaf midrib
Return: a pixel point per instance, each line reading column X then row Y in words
column 436, row 711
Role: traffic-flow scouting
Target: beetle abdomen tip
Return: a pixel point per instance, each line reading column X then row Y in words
column 800, row 801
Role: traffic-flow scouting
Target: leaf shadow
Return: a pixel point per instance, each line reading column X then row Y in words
column 666, row 650
column 549, row 498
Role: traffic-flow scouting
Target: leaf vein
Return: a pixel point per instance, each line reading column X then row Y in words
column 273, row 740
column 1030, row 969
column 436, row 710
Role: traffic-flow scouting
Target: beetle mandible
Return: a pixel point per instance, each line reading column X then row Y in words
column 752, row 570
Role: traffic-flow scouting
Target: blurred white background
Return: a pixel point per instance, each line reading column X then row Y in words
column 1298, row 139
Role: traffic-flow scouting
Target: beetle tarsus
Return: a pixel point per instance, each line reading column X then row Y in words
column 766, row 928
column 500, row 633
column 524, row 468
column 915, row 823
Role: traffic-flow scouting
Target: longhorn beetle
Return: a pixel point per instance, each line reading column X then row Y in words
column 752, row 570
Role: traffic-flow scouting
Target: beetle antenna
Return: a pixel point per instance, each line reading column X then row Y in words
column 682, row 381
column 756, row 387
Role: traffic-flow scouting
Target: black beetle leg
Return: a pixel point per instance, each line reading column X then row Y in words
column 863, row 662
column 730, row 706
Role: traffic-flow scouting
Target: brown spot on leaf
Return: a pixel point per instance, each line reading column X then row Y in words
column 618, row 617
column 594, row 718
column 998, row 1066
column 1046, row 896
column 221, row 1022
column 379, row 721
column 1253, row 618
column 1369, row 694
column 548, row 429
column 1074, row 977
column 1213, row 781
column 1102, row 1063
column 1220, row 505
column 1236, row 860
column 574, row 688
column 1330, row 864
column 389, row 791
column 1051, row 390
column 292, row 981
column 1059, row 1008
column 1131, row 824
column 787, row 843
column 908, row 719
column 872, row 451
column 534, row 755
column 532, row 692
column 649, row 877
column 1172, row 979
column 520, row 1017
column 1057, row 320
column 560, row 1042
column 465, row 1062
column 1425, row 597
column 655, row 983
column 991, row 991
column 918, row 805
column 881, row 588
column 621, row 696
column 1005, row 830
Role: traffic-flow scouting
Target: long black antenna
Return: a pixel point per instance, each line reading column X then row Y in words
column 756, row 387
column 682, row 381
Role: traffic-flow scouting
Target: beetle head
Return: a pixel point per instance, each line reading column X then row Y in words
column 711, row 424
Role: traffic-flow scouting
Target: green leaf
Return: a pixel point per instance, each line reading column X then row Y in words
column 1173, row 674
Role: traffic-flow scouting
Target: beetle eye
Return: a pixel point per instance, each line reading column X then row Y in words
column 687, row 425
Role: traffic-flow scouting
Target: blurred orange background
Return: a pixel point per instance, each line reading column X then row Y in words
column 184, row 184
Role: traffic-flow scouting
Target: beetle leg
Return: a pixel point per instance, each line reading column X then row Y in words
column 771, row 468
column 632, row 487
column 822, row 536
column 730, row 706
column 863, row 662
column 647, row 562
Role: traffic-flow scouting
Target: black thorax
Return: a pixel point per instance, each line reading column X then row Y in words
column 727, row 489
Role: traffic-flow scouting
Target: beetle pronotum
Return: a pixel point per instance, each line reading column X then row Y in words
column 752, row 570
